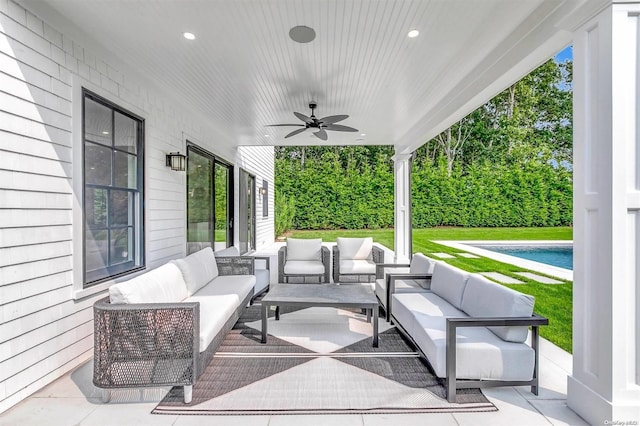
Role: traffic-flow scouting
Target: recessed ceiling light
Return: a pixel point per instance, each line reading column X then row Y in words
column 363, row 134
column 105, row 133
column 266, row 136
column 189, row 36
column 413, row 33
column 302, row 34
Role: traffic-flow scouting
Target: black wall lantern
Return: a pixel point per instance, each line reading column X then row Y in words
column 177, row 161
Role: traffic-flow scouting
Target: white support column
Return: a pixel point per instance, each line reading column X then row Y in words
column 605, row 385
column 402, row 207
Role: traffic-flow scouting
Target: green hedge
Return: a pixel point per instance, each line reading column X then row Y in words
column 328, row 194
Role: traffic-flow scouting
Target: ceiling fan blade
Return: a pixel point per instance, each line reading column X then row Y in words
column 279, row 125
column 330, row 119
column 340, row 128
column 303, row 117
column 321, row 134
column 295, row 132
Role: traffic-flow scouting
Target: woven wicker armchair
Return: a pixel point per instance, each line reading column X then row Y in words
column 156, row 344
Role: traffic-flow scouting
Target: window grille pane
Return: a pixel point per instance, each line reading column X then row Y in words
column 126, row 132
column 96, row 254
column 97, row 163
column 121, row 246
column 121, row 208
column 95, row 207
column 97, row 122
column 125, row 170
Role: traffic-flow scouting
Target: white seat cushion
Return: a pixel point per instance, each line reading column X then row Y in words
column 355, row 248
column 299, row 249
column 449, row 282
column 218, row 301
column 421, row 264
column 164, row 284
column 484, row 298
column 402, row 286
column 360, row 267
column 303, row 267
column 396, row 270
column 239, row 285
column 262, row 280
column 229, row 251
column 214, row 313
column 198, row 269
column 480, row 354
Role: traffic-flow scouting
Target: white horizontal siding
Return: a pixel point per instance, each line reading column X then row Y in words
column 258, row 161
column 44, row 330
column 14, row 237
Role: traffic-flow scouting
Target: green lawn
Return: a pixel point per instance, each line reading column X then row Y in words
column 552, row 301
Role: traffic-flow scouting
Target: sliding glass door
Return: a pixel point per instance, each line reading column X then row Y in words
column 209, row 204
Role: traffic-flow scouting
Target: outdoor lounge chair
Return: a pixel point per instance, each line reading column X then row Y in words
column 355, row 259
column 304, row 261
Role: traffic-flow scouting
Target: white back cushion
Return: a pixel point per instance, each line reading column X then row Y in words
column 421, row 264
column 161, row 285
column 449, row 282
column 198, row 269
column 299, row 249
column 484, row 298
column 229, row 251
column 355, row 248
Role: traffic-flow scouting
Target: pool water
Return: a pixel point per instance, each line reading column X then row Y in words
column 560, row 256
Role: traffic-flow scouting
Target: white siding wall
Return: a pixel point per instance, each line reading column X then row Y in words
column 258, row 161
column 45, row 321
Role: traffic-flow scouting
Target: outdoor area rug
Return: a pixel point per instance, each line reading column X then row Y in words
column 317, row 361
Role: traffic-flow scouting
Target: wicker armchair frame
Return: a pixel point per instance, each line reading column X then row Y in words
column 377, row 255
column 156, row 344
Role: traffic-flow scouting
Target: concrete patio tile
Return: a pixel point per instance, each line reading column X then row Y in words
column 501, row 278
column 443, row 255
column 558, row 413
column 469, row 255
column 50, row 411
column 513, row 409
column 319, row 420
column 440, row 419
column 126, row 414
column 223, row 420
column 538, row 278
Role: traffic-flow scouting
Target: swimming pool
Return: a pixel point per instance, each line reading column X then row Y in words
column 556, row 255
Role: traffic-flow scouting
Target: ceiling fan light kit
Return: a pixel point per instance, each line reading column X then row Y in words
column 322, row 124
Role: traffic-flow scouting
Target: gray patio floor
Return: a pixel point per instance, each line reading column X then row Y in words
column 73, row 400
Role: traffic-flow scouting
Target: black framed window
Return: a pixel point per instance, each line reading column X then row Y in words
column 113, row 167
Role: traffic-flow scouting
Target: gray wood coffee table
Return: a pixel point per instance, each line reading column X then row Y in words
column 331, row 295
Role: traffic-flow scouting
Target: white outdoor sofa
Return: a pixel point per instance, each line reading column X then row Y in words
column 162, row 328
column 472, row 331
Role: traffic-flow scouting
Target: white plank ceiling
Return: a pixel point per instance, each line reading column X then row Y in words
column 243, row 71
